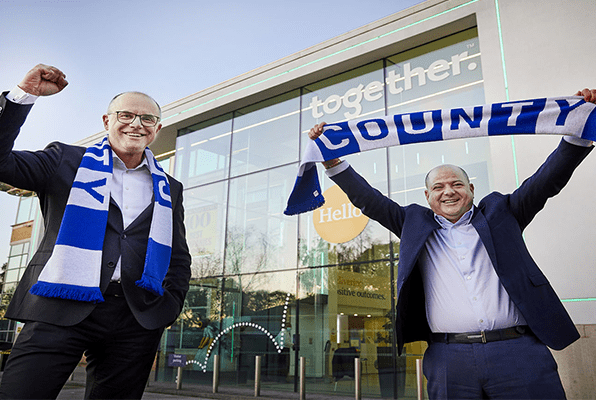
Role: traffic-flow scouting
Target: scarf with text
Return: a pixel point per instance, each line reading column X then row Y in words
column 74, row 268
column 569, row 115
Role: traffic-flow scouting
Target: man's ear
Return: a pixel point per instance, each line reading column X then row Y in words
column 106, row 121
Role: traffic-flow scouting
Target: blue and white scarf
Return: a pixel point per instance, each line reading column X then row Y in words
column 569, row 115
column 74, row 268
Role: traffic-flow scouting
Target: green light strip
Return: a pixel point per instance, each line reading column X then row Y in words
column 578, row 300
column 506, row 87
column 322, row 58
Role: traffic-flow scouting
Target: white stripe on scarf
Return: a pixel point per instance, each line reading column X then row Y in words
column 74, row 268
column 569, row 115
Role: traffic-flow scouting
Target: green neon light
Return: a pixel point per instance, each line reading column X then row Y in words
column 578, row 300
column 506, row 87
column 322, row 58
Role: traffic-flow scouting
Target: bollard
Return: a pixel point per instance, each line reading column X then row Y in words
column 357, row 378
column 419, row 379
column 179, row 379
column 302, row 378
column 215, row 372
column 257, row 376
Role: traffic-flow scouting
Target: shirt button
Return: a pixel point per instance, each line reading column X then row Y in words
column 481, row 321
column 468, row 277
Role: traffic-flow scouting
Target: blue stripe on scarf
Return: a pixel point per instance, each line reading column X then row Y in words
column 68, row 292
column 96, row 165
column 306, row 195
column 88, row 235
column 157, row 255
column 563, row 116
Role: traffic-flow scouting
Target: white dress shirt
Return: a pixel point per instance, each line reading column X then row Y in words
column 132, row 190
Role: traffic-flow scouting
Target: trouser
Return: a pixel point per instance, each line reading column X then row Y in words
column 521, row 368
column 119, row 354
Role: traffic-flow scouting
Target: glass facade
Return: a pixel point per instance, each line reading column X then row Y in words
column 22, row 244
column 267, row 284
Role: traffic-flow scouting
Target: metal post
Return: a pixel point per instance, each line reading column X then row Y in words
column 357, row 378
column 257, row 376
column 419, row 379
column 215, row 372
column 179, row 379
column 302, row 378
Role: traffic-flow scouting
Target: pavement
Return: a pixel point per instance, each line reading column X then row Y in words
column 75, row 389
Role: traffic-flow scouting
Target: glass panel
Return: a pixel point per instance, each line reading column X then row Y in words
column 441, row 74
column 259, row 236
column 348, row 317
column 354, row 94
column 204, row 218
column 195, row 333
column 25, row 214
column 14, row 262
column 318, row 228
column 16, row 249
column 202, row 152
column 12, row 275
column 260, row 315
column 266, row 134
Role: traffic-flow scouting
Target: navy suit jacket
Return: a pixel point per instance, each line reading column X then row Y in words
column 50, row 174
column 499, row 220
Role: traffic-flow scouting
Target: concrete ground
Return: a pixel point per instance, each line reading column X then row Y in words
column 74, row 389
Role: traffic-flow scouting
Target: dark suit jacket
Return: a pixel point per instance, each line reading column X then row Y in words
column 500, row 220
column 50, row 174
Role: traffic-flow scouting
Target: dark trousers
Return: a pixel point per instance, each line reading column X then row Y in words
column 119, row 354
column 521, row 368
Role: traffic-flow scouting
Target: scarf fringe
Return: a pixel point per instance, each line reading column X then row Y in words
column 310, row 205
column 68, row 292
column 150, row 284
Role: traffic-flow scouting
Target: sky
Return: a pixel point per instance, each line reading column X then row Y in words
column 168, row 49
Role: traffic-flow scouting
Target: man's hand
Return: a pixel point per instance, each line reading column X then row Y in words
column 43, row 80
column 316, row 130
column 589, row 95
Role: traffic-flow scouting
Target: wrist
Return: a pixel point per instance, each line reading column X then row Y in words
column 331, row 163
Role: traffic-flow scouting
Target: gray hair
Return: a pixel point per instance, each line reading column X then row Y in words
column 134, row 92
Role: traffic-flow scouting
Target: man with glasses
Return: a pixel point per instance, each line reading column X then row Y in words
column 109, row 203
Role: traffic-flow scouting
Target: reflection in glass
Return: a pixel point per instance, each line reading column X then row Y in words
column 202, row 152
column 258, row 233
column 258, row 320
column 266, row 134
column 371, row 244
column 204, row 218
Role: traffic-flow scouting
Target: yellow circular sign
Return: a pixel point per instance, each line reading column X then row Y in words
column 338, row 221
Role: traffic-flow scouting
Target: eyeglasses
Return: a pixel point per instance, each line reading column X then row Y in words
column 126, row 117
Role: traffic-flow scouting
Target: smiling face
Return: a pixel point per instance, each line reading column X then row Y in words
column 449, row 192
column 129, row 140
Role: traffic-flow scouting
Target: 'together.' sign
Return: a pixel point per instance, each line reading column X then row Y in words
column 397, row 82
column 338, row 221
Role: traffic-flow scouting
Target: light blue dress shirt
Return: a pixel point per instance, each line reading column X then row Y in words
column 463, row 292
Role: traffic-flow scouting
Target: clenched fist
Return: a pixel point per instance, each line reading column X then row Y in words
column 43, row 80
